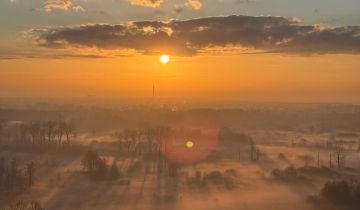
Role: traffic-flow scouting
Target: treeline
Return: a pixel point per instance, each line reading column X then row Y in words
column 151, row 140
column 240, row 144
column 24, row 205
column 202, row 181
column 292, row 117
column 14, row 177
column 138, row 141
column 336, row 150
column 146, row 145
column 55, row 133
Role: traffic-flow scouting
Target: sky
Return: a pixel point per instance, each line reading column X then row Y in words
column 260, row 50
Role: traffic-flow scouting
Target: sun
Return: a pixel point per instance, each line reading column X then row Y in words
column 189, row 144
column 164, row 59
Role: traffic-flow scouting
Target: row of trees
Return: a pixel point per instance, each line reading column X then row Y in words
column 24, row 205
column 231, row 140
column 98, row 168
column 13, row 176
column 137, row 142
column 330, row 143
column 39, row 132
column 338, row 155
column 150, row 141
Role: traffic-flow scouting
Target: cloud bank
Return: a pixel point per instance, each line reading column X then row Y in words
column 190, row 37
column 194, row 4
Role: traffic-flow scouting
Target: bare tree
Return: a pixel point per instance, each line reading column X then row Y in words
column 2, row 170
column 35, row 205
column 34, row 131
column 114, row 172
column 23, row 131
column 24, row 205
column 254, row 152
column 60, row 131
column 339, row 152
column 120, row 137
column 19, row 205
column 50, row 131
column 13, row 173
column 69, row 130
column 30, row 170
column 2, row 125
column 89, row 160
column 330, row 160
column 95, row 165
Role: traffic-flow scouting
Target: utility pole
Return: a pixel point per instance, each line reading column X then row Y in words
column 153, row 93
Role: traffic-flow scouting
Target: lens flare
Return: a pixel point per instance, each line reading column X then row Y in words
column 189, row 140
column 189, row 144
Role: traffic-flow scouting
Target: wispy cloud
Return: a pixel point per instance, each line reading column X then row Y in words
column 189, row 37
column 50, row 5
column 195, row 4
column 78, row 8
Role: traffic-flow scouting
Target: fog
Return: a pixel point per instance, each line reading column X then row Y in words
column 177, row 155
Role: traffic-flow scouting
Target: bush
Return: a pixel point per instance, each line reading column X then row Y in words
column 134, row 167
column 225, row 180
column 289, row 174
column 342, row 194
column 97, row 167
column 114, row 172
column 281, row 156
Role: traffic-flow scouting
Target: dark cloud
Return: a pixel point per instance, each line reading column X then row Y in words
column 265, row 34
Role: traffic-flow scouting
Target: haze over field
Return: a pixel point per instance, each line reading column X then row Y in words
column 179, row 104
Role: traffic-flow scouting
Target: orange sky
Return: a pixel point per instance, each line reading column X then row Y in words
column 302, row 51
column 262, row 77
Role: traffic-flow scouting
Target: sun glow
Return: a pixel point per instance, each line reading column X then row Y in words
column 164, row 59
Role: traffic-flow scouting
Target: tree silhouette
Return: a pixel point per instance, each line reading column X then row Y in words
column 340, row 155
column 114, row 172
column 30, row 169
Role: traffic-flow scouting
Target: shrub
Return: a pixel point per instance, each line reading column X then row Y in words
column 342, row 194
